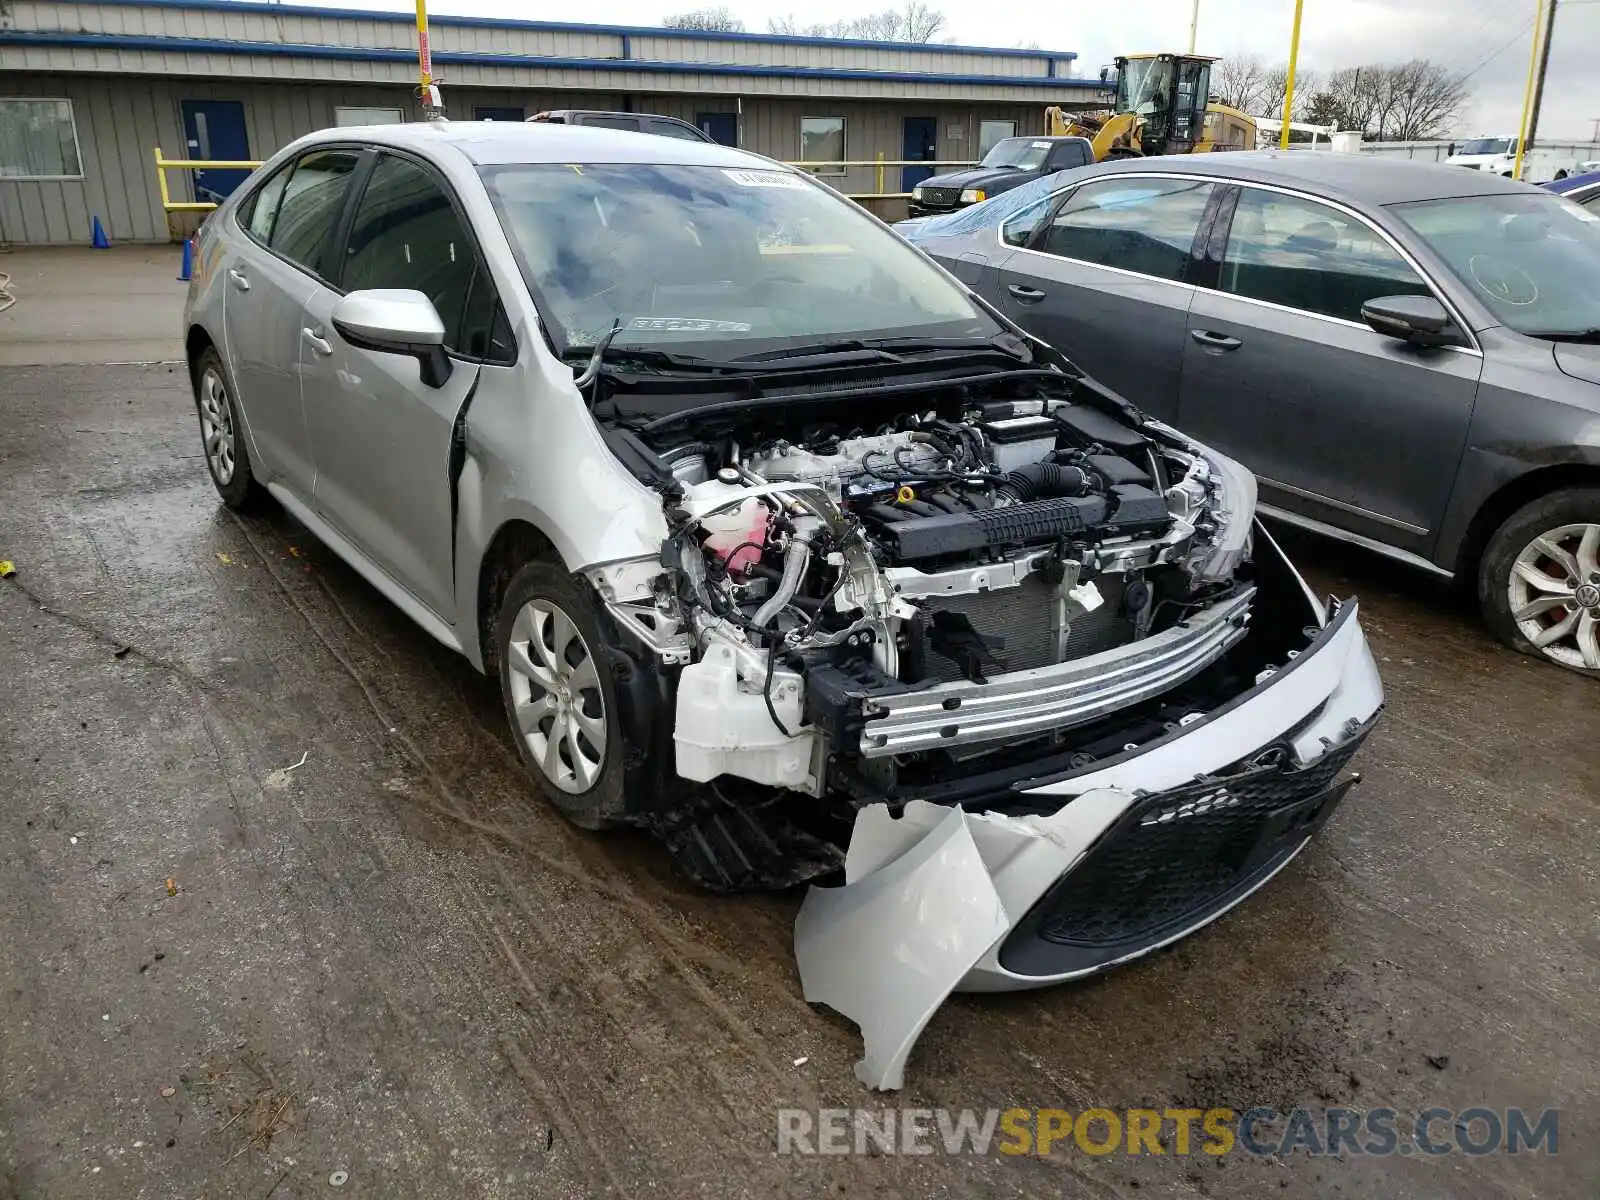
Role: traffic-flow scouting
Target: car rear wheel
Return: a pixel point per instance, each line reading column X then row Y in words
column 559, row 694
column 222, row 435
column 1539, row 580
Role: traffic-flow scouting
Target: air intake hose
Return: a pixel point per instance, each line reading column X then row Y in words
column 1040, row 480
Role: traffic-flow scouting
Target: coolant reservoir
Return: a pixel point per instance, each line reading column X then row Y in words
column 736, row 533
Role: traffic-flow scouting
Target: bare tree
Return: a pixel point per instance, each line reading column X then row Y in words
column 1275, row 89
column 1407, row 101
column 1240, row 81
column 1424, row 100
column 707, row 20
column 916, row 22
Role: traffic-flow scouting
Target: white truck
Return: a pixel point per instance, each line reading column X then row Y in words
column 1544, row 162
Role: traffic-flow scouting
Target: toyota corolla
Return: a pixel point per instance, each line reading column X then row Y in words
column 782, row 545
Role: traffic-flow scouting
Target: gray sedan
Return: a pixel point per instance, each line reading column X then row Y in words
column 1408, row 356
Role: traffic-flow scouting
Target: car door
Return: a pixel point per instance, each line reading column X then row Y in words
column 1340, row 423
column 278, row 273
column 381, row 436
column 1106, row 281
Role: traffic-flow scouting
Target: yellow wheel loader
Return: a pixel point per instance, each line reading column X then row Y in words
column 1163, row 106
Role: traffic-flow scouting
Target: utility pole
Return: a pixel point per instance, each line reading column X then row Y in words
column 1194, row 25
column 1544, row 66
column 1294, row 58
column 1527, row 94
column 427, row 91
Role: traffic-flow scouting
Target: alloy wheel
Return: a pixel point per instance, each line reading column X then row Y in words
column 556, row 696
column 216, row 426
column 1554, row 594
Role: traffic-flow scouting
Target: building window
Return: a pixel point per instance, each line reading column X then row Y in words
column 38, row 140
column 992, row 132
column 822, row 141
column 351, row 115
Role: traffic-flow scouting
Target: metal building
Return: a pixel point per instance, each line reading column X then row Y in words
column 89, row 90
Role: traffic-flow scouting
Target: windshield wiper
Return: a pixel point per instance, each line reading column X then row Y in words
column 603, row 353
column 1568, row 335
column 890, row 349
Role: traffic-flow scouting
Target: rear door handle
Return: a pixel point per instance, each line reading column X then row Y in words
column 238, row 278
column 1215, row 341
column 1028, row 295
column 316, row 341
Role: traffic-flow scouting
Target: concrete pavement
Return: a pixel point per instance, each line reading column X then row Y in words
column 124, row 304
column 381, row 953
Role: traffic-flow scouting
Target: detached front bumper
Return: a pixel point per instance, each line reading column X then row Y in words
column 1135, row 853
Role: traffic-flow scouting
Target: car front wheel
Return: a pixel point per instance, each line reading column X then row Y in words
column 1539, row 580
column 560, row 696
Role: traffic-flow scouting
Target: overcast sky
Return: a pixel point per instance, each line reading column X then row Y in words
column 1461, row 34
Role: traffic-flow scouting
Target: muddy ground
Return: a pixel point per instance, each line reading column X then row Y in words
column 226, row 974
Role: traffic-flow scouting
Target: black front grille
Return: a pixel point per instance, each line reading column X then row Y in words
column 941, row 197
column 1174, row 858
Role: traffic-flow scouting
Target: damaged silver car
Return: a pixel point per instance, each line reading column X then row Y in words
column 783, row 545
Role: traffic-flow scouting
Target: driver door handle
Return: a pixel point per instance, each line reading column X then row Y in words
column 316, row 341
column 1220, row 342
column 238, row 278
column 1028, row 295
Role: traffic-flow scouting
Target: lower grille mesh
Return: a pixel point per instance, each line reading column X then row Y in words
column 1178, row 853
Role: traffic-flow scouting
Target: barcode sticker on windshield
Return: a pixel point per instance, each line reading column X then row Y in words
column 777, row 179
column 1041, row 145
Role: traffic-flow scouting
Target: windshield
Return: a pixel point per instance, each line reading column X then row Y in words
column 693, row 254
column 1144, row 84
column 1485, row 146
column 1532, row 259
column 1026, row 153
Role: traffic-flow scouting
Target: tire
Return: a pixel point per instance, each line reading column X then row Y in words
column 1539, row 579
column 548, row 629
column 222, row 437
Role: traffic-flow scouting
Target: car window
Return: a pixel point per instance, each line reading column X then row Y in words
column 1301, row 254
column 258, row 209
column 406, row 234
column 1138, row 224
column 1068, row 154
column 310, row 207
column 1530, row 257
column 607, row 121
column 672, row 129
column 1017, row 229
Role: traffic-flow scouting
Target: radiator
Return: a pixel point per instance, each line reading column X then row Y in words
column 1023, row 616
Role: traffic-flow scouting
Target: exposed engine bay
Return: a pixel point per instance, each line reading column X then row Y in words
column 858, row 605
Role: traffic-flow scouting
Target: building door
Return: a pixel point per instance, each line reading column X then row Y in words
column 921, row 145
column 215, row 129
column 497, row 112
column 722, row 128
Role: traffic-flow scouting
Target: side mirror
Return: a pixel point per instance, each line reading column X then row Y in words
column 1418, row 319
column 396, row 321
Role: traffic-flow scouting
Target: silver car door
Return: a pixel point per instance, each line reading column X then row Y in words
column 1340, row 423
column 1105, row 281
column 380, row 434
column 272, row 273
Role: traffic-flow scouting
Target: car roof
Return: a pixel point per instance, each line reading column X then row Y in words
column 1361, row 179
column 1573, row 183
column 492, row 143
